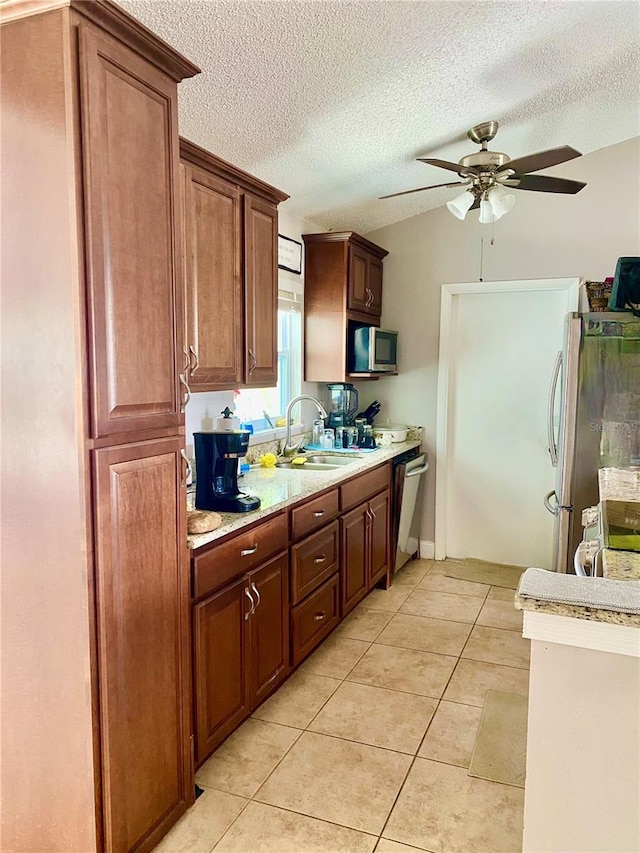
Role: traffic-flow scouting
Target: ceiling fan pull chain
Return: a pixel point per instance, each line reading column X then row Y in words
column 493, row 233
column 481, row 255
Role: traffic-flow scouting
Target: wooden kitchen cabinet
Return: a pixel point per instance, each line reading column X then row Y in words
column 129, row 154
column 91, row 103
column 364, row 535
column 230, row 222
column 261, row 292
column 354, row 561
column 343, row 286
column 241, row 650
column 142, row 598
column 364, row 282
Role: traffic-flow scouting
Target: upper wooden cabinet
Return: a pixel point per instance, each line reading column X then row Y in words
column 231, row 273
column 343, row 285
column 130, row 159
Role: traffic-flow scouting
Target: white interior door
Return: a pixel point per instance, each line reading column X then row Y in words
column 499, row 342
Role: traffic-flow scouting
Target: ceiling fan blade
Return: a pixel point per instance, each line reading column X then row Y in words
column 420, row 189
column 544, row 184
column 445, row 164
column 541, row 160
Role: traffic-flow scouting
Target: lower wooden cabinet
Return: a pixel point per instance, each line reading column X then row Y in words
column 314, row 618
column 241, row 650
column 364, row 546
column 142, row 598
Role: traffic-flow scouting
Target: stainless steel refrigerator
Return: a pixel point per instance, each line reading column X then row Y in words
column 593, row 417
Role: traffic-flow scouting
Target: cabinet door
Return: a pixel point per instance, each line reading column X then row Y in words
column 354, row 529
column 129, row 152
column 375, row 286
column 261, row 292
column 379, row 552
column 357, row 295
column 269, row 624
column 221, row 656
column 142, row 597
column 213, row 281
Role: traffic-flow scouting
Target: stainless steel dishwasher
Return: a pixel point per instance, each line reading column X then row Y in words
column 408, row 469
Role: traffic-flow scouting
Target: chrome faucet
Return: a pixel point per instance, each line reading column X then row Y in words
column 290, row 449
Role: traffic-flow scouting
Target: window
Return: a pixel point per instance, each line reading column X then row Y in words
column 255, row 403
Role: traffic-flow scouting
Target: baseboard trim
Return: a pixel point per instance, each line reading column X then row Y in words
column 427, row 549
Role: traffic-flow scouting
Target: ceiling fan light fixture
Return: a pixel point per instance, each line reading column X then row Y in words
column 460, row 205
column 486, row 213
column 501, row 201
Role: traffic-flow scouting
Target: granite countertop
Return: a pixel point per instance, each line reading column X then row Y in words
column 278, row 488
column 615, row 597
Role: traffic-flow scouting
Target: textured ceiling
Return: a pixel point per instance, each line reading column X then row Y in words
column 333, row 101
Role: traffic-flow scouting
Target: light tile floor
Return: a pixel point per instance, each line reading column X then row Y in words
column 366, row 747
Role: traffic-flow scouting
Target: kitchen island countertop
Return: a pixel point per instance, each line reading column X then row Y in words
column 617, row 567
column 279, row 488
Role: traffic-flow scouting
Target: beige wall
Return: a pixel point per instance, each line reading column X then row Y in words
column 544, row 236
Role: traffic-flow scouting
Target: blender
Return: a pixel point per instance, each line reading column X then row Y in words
column 342, row 404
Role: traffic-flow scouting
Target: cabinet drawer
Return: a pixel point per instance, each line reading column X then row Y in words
column 359, row 489
column 314, row 514
column 312, row 620
column 240, row 554
column 313, row 560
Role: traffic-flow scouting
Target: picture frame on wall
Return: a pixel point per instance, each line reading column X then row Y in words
column 289, row 254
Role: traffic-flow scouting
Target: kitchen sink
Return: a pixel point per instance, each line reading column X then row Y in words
column 321, row 462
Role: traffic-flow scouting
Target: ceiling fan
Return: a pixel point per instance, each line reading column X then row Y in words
column 487, row 174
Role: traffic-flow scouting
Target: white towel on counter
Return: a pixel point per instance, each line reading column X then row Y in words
column 597, row 593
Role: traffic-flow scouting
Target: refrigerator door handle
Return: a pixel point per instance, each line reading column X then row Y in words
column 551, row 433
column 554, row 510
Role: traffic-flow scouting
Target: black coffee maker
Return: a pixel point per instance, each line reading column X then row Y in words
column 217, row 455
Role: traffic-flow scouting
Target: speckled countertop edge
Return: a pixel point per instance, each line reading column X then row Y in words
column 590, row 614
column 279, row 488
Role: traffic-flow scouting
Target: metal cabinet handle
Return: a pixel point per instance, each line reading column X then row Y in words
column 553, row 446
column 415, row 472
column 254, row 360
column 247, row 552
column 368, row 514
column 254, row 588
column 318, row 617
column 369, row 296
column 186, row 468
column 373, row 515
column 193, row 357
column 253, row 605
column 187, row 360
column 319, row 513
column 554, row 510
column 187, row 391
column 320, row 559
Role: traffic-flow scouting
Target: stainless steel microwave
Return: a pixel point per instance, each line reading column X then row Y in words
column 375, row 350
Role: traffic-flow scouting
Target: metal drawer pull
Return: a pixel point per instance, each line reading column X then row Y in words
column 320, row 559
column 318, row 617
column 195, row 359
column 253, row 606
column 187, row 468
column 187, row 391
column 247, row 552
column 254, row 588
column 319, row 513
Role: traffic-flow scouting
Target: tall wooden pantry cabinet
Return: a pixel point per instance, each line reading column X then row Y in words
column 96, row 692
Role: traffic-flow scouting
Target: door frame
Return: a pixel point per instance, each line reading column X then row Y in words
column 446, row 365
